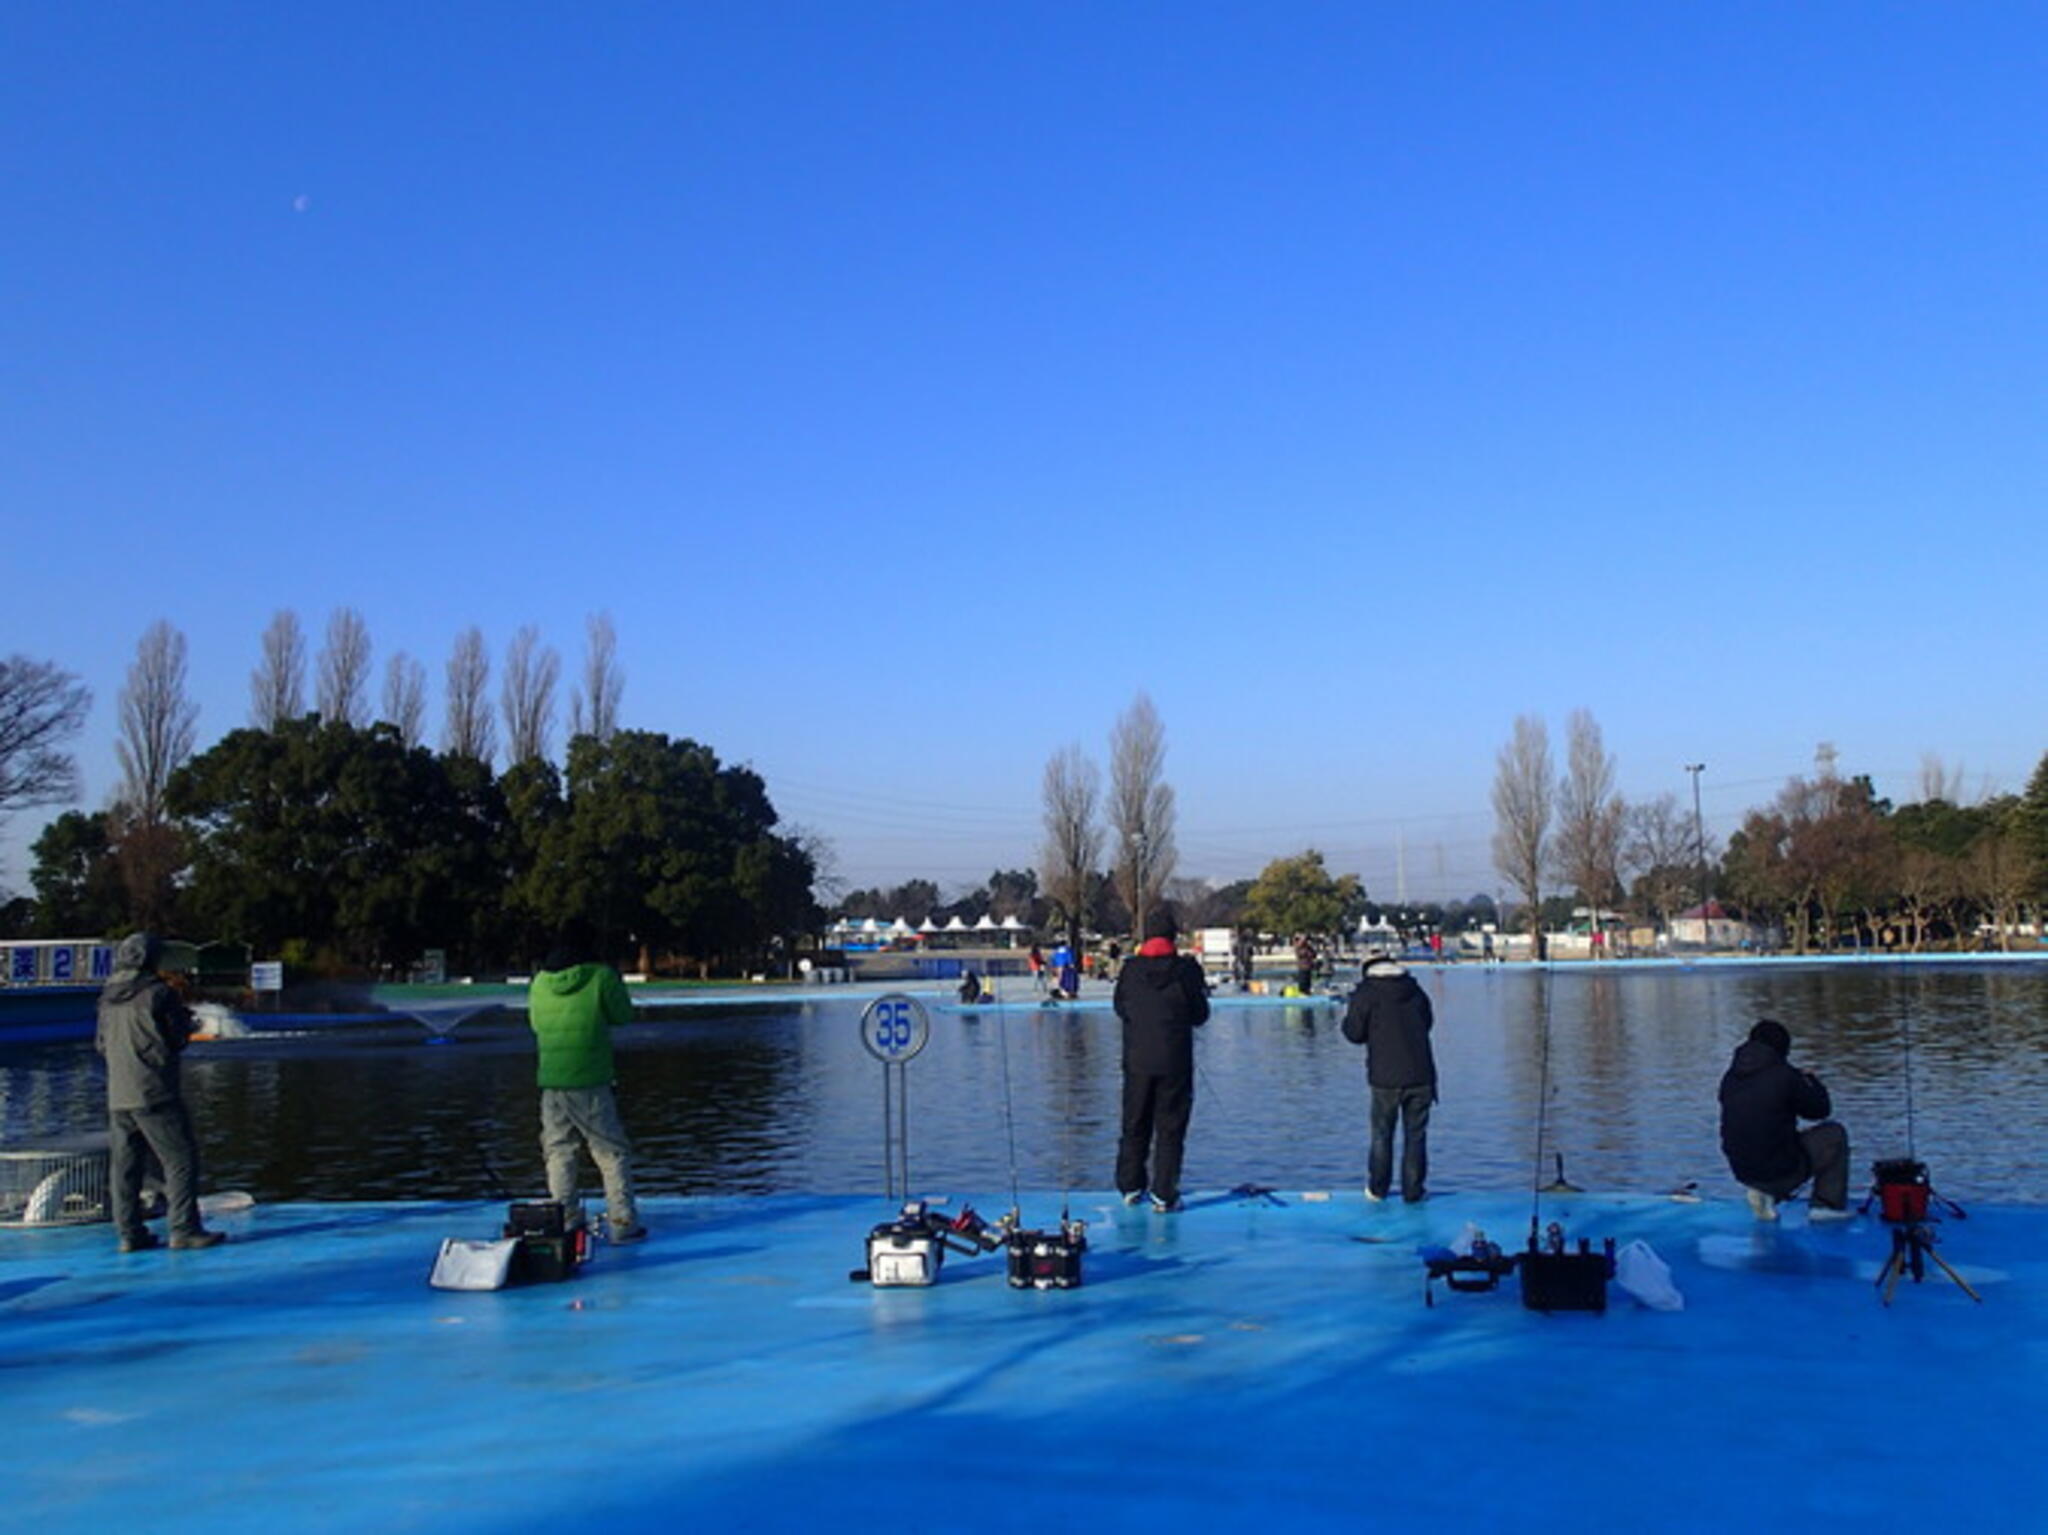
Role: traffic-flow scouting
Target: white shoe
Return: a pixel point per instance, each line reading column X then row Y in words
column 1374, row 1199
column 1828, row 1213
column 1762, row 1205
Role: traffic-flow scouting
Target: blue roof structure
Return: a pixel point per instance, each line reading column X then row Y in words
column 1257, row 1361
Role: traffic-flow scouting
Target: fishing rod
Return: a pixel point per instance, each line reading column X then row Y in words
column 492, row 1178
column 1906, row 1044
column 1040, row 1260
column 1009, row 1106
column 1542, row 1106
column 1066, row 1134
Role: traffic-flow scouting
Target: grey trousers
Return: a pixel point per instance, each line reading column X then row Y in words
column 133, row 1135
column 591, row 1115
column 1410, row 1105
column 1827, row 1159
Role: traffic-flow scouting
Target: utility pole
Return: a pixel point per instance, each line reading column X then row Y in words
column 1699, row 827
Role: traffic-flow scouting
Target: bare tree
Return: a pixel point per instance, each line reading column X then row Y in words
column 1589, row 816
column 1141, row 806
column 1191, row 898
column 527, row 695
column 469, row 731
column 1073, row 835
column 1938, row 781
column 1660, row 856
column 277, row 688
column 157, row 730
column 344, row 673
column 1522, row 788
column 405, row 698
column 158, row 722
column 1997, row 874
column 40, row 708
column 826, row 879
column 594, row 708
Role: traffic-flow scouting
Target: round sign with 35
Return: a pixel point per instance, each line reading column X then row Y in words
column 894, row 1027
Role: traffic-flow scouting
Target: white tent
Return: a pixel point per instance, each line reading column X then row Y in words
column 927, row 926
column 985, row 923
column 899, row 927
column 1010, row 924
column 954, row 925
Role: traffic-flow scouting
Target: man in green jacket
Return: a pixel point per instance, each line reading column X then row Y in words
column 573, row 1004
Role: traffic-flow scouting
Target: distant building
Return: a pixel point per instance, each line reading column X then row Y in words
column 1710, row 927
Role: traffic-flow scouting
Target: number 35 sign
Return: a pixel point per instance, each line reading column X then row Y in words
column 894, row 1028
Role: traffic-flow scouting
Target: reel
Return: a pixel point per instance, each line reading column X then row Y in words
column 911, row 1249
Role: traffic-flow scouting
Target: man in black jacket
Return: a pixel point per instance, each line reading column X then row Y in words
column 1763, row 1098
column 1390, row 1015
column 1162, row 999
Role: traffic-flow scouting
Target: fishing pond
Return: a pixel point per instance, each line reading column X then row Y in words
column 1611, row 1069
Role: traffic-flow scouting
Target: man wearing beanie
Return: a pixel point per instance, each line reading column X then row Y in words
column 143, row 1029
column 1162, row 999
column 1390, row 1015
column 1763, row 1098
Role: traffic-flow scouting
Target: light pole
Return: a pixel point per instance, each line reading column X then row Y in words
column 1699, row 829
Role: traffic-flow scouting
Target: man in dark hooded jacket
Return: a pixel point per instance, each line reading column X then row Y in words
column 1390, row 1015
column 1763, row 1098
column 1162, row 999
column 143, row 1029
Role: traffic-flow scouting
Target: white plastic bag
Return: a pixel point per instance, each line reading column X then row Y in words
column 1647, row 1277
column 473, row 1265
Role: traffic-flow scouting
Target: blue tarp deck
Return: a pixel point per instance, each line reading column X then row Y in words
column 1242, row 1363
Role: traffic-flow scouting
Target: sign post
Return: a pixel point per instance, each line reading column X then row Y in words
column 894, row 1028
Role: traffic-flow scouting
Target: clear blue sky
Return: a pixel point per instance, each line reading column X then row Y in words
column 914, row 384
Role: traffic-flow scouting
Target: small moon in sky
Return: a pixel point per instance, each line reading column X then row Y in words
column 301, row 203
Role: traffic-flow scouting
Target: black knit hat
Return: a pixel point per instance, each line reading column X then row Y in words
column 1161, row 924
column 1769, row 1031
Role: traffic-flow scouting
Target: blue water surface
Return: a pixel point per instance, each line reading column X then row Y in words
column 1950, row 1062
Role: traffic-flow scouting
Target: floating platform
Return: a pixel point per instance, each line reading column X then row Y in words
column 1105, row 1001
column 1254, row 1362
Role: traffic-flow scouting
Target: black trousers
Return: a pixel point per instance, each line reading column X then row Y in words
column 167, row 1131
column 1156, row 1113
column 1410, row 1105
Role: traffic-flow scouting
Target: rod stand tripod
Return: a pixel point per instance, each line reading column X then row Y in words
column 1912, row 1247
column 1904, row 1194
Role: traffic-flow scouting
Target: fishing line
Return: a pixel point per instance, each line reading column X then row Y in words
column 1009, row 1107
column 1542, row 1106
column 492, row 1178
column 1906, row 1039
column 1067, row 1135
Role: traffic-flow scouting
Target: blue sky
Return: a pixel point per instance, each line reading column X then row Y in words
column 914, row 384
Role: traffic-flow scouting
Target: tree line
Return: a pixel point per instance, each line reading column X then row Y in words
column 331, row 833
column 1827, row 864
column 338, row 839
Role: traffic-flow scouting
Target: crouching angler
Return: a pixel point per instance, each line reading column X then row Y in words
column 1763, row 1098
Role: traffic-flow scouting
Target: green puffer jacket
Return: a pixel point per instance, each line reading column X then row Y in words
column 573, row 1013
